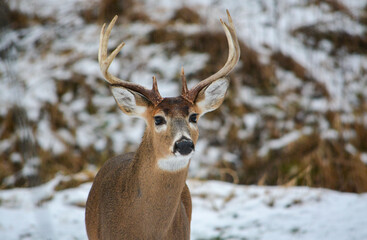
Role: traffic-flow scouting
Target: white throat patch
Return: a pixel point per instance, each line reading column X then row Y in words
column 174, row 163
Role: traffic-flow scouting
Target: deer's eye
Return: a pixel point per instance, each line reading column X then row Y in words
column 193, row 118
column 159, row 120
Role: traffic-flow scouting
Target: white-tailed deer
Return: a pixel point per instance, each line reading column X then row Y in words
column 143, row 195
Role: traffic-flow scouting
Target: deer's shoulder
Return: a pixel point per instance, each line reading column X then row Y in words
column 115, row 170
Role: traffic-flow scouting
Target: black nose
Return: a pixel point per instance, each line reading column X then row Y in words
column 184, row 146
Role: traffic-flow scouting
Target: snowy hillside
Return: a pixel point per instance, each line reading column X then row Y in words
column 295, row 112
column 296, row 106
column 220, row 211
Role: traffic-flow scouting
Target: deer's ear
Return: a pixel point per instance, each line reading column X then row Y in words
column 130, row 102
column 212, row 96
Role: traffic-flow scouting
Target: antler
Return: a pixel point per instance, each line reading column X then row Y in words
column 233, row 57
column 105, row 61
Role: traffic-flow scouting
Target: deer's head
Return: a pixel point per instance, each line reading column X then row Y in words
column 171, row 122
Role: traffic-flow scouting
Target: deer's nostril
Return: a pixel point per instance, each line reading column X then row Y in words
column 184, row 146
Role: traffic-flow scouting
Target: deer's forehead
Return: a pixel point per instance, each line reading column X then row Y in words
column 175, row 106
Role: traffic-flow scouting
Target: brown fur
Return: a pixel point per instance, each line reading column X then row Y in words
column 154, row 207
column 131, row 198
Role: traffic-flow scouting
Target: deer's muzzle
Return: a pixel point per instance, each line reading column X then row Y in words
column 184, row 146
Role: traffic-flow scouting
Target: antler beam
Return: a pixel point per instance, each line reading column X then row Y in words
column 233, row 57
column 105, row 61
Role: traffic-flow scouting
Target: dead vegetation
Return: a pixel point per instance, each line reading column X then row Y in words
column 4, row 14
column 334, row 5
column 254, row 73
column 311, row 160
column 110, row 8
column 73, row 182
column 186, row 15
column 19, row 20
column 289, row 64
column 363, row 16
column 107, row 9
column 341, row 41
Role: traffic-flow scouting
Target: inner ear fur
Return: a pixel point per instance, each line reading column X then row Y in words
column 130, row 102
column 212, row 96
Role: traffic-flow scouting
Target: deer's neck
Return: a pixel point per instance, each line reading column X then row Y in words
column 152, row 179
column 157, row 189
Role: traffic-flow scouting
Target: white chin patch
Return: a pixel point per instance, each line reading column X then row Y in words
column 175, row 162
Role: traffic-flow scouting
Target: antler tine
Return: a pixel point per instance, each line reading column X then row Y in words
column 233, row 57
column 105, row 62
column 154, row 94
column 184, row 90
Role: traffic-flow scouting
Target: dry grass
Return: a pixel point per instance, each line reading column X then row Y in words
column 4, row 14
column 333, row 167
column 288, row 63
column 363, row 17
column 109, row 8
column 186, row 15
column 18, row 20
column 253, row 72
column 71, row 183
column 293, row 164
column 73, row 160
column 341, row 41
column 8, row 128
column 162, row 35
column 138, row 16
column 360, row 141
column 310, row 161
column 334, row 5
column 212, row 43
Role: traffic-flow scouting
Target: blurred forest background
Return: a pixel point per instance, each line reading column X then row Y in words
column 295, row 113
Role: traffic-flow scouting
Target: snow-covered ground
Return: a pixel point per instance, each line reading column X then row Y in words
column 220, row 211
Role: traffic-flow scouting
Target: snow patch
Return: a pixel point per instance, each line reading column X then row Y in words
column 220, row 210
